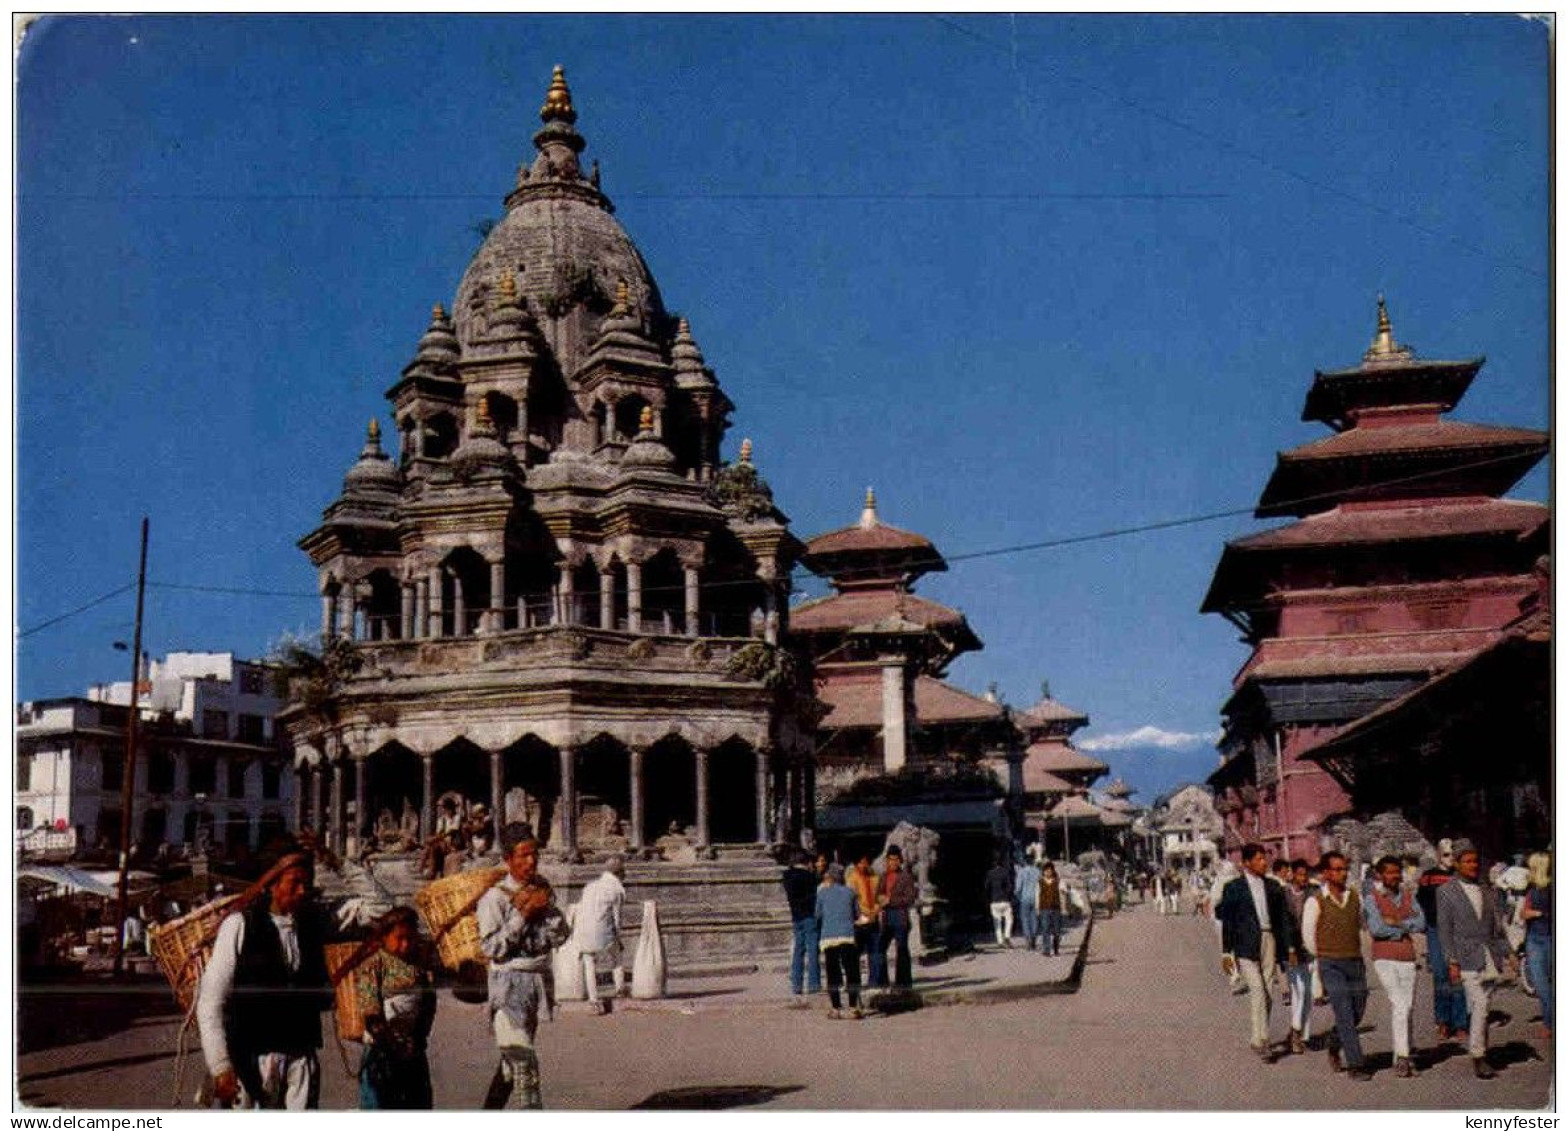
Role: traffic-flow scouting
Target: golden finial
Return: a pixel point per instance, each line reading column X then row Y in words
column 683, row 327
column 1383, row 345
column 868, row 517
column 745, row 450
column 558, row 100
column 438, row 313
column 646, row 423
column 484, row 412
column 373, row 434
column 623, row 297
column 508, row 286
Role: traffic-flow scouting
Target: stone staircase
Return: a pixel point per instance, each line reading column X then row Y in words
column 715, row 914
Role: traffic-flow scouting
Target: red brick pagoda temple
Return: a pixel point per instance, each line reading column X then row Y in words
column 1403, row 564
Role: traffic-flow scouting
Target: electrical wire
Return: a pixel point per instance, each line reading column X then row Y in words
column 79, row 609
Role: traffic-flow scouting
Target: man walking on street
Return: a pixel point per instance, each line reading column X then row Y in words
column 1256, row 931
column 597, row 930
column 1331, row 929
column 800, row 889
column 898, row 904
column 1298, row 974
column 259, row 1006
column 1026, row 889
column 1050, row 907
column 1471, row 930
column 1448, row 998
column 999, row 894
column 1393, row 919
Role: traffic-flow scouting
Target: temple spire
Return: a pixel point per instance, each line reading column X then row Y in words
column 745, row 450
column 868, row 517
column 373, row 434
column 558, row 99
column 1383, row 347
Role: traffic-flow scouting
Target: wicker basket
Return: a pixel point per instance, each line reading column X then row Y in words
column 448, row 907
column 182, row 946
column 351, row 1023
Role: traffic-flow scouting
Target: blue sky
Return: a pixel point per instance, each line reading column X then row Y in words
column 1032, row 278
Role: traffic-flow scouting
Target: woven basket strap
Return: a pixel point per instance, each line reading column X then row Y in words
column 468, row 907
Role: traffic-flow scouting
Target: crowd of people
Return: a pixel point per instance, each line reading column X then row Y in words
column 1302, row 925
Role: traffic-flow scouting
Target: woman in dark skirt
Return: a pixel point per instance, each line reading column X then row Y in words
column 396, row 995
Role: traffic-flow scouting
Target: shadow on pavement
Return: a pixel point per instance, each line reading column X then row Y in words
column 719, row 1097
column 95, row 1066
column 69, row 1010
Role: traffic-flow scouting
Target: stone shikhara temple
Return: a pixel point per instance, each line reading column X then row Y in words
column 1403, row 568
column 564, row 606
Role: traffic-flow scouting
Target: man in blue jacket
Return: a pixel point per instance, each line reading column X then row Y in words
column 800, row 889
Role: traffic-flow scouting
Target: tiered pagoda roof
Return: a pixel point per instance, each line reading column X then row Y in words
column 854, row 699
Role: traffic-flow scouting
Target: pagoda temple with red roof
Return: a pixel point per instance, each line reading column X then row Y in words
column 879, row 652
column 1403, row 564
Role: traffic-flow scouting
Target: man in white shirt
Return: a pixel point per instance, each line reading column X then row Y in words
column 597, row 930
column 259, row 1004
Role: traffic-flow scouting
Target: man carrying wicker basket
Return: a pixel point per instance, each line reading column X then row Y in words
column 519, row 925
column 262, row 994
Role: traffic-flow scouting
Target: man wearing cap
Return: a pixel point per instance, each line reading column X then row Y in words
column 519, row 925
column 1470, row 927
column 259, row 1005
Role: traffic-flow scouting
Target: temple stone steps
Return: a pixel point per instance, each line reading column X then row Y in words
column 711, row 912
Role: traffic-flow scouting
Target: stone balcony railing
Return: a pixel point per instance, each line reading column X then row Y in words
column 549, row 647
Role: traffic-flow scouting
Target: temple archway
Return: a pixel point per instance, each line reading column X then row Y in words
column 465, row 593
column 664, row 594
column 732, row 793
column 383, row 606
column 394, row 787
column 464, row 769
column 531, row 784
column 603, row 792
column 670, row 786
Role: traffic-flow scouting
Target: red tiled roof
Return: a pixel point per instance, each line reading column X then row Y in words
column 876, row 537
column 1434, row 435
column 1037, row 779
column 1056, row 757
column 867, row 606
column 1400, row 524
column 1391, row 663
column 1048, row 710
column 855, row 700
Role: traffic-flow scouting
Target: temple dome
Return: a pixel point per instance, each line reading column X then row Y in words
column 373, row 474
column 563, row 245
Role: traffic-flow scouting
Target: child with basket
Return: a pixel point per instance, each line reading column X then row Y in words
column 394, row 993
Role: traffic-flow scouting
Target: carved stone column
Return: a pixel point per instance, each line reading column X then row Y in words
column 566, row 588
column 607, row 599
column 316, row 802
column 702, row 797
column 693, row 600
column 405, row 624
column 568, row 800
column 633, row 597
column 434, row 585
column 497, row 799
column 634, row 759
column 494, row 618
column 762, row 795
column 346, row 612
column 362, row 823
column 770, row 615
column 327, row 609
column 421, row 626
column 336, row 834
column 297, row 786
column 894, row 719
column 459, row 608
column 427, row 799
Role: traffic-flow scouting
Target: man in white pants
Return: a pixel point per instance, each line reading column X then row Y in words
column 1393, row 919
column 597, row 929
column 1470, row 927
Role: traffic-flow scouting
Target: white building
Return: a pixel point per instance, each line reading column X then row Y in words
column 1188, row 827
column 208, row 763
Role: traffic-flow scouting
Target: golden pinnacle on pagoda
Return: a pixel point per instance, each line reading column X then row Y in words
column 745, row 447
column 1384, row 347
column 438, row 313
column 868, row 517
column 373, row 433
column 508, row 286
column 558, row 99
column 646, row 423
column 623, row 298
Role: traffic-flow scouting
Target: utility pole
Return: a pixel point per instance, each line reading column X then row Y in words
column 128, row 781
